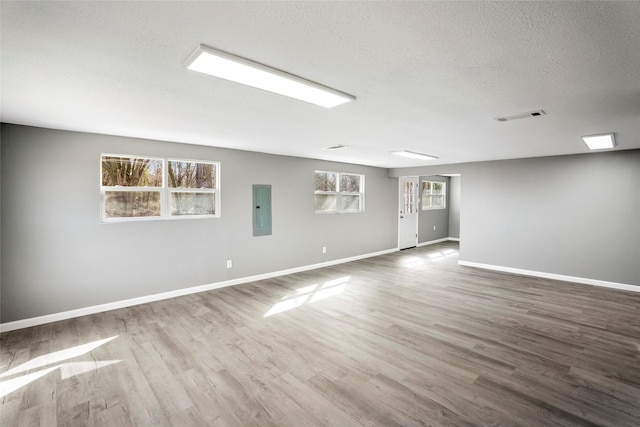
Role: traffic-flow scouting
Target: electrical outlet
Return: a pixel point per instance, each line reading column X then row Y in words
column 229, row 263
column 324, row 249
column 434, row 227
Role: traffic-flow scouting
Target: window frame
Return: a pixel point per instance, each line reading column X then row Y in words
column 215, row 191
column 339, row 194
column 430, row 194
column 164, row 190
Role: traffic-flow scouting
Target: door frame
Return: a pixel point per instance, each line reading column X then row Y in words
column 399, row 206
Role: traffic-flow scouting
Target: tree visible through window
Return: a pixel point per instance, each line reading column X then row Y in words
column 192, row 187
column 338, row 192
column 131, row 186
column 134, row 187
column 434, row 195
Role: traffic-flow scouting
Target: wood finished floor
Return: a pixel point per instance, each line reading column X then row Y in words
column 405, row 339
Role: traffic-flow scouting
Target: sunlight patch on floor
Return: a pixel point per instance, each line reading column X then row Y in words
column 412, row 261
column 309, row 294
column 9, row 386
column 442, row 254
column 68, row 369
column 56, row 356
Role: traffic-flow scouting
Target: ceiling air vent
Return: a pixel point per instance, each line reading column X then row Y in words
column 336, row 147
column 536, row 113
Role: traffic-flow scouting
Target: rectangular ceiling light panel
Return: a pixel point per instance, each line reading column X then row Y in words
column 599, row 142
column 240, row 70
column 413, row 155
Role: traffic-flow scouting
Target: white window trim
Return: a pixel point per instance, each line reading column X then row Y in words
column 339, row 194
column 165, row 191
column 215, row 191
column 444, row 196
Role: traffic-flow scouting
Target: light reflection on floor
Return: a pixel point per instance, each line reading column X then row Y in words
column 441, row 254
column 67, row 369
column 309, row 294
column 416, row 258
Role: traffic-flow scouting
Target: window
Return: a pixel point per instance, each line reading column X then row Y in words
column 338, row 192
column 137, row 188
column 434, row 195
column 409, row 197
column 131, row 187
column 192, row 188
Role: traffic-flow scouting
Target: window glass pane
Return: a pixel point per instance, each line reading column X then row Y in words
column 408, row 196
column 437, row 188
column 127, row 204
column 326, row 181
column 184, row 174
column 433, row 194
column 131, row 172
column 350, row 183
column 350, row 203
column 193, row 203
column 326, row 202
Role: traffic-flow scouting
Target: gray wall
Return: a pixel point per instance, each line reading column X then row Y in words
column 57, row 256
column 0, row 225
column 439, row 218
column 571, row 215
column 454, row 207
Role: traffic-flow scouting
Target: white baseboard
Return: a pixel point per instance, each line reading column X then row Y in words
column 55, row 317
column 581, row 280
column 433, row 242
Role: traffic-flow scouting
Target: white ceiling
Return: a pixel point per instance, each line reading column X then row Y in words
column 428, row 76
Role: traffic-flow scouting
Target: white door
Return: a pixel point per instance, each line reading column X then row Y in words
column 408, row 207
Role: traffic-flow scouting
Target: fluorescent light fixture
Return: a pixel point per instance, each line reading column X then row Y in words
column 413, row 155
column 599, row 142
column 240, row 70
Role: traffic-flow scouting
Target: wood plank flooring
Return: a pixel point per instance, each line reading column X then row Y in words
column 404, row 339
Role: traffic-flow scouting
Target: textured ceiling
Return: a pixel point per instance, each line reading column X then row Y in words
column 428, row 76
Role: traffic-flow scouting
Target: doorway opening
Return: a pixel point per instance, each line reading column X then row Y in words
column 408, row 216
column 428, row 209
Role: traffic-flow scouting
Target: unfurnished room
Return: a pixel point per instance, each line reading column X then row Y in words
column 310, row 213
